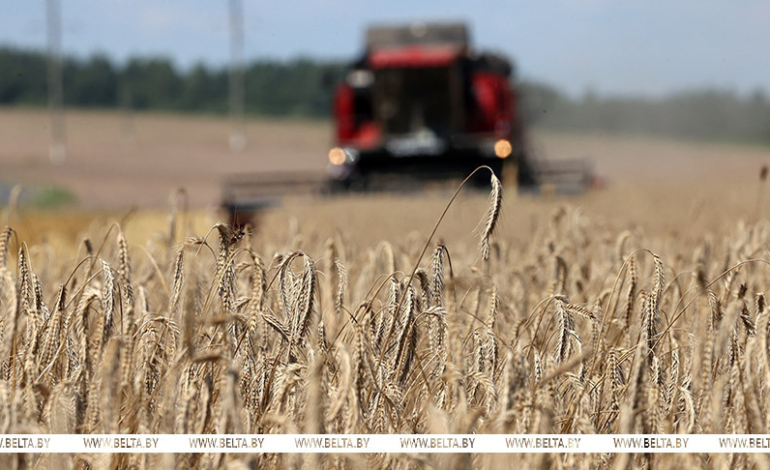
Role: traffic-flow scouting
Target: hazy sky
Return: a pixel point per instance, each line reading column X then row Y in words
column 611, row 46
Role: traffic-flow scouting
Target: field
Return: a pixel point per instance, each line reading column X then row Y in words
column 638, row 308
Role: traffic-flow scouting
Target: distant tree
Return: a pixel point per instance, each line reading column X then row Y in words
column 90, row 83
column 204, row 90
column 154, row 83
column 23, row 77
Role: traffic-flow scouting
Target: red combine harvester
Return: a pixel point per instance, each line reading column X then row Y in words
column 419, row 104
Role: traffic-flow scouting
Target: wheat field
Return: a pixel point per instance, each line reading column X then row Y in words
column 638, row 308
column 558, row 316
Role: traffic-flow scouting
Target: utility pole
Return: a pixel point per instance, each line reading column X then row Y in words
column 237, row 122
column 127, row 129
column 57, row 151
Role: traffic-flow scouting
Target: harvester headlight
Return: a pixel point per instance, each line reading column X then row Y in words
column 503, row 148
column 337, row 156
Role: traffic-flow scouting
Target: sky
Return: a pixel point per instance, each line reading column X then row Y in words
column 642, row 47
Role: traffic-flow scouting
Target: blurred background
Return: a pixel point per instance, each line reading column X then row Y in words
column 111, row 105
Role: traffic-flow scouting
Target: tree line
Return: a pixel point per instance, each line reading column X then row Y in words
column 303, row 88
column 300, row 87
column 705, row 114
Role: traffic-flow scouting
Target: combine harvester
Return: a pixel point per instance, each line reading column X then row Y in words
column 419, row 105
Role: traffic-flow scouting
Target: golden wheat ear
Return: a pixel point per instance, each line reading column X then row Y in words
column 5, row 238
column 493, row 214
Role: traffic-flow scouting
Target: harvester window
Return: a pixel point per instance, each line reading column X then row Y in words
column 414, row 99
